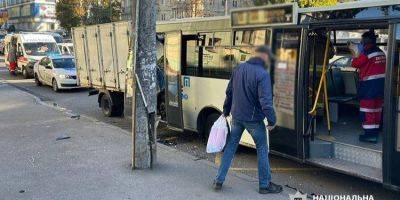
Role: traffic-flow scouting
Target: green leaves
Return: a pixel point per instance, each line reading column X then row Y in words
column 302, row 3
column 72, row 13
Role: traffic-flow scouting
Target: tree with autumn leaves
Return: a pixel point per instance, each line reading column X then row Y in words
column 72, row 13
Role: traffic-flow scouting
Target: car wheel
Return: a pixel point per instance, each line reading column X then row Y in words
column 37, row 81
column 25, row 73
column 106, row 105
column 208, row 125
column 55, row 86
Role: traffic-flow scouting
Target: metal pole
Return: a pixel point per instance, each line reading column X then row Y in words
column 226, row 7
column 110, row 9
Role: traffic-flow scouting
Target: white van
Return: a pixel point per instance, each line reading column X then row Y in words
column 31, row 48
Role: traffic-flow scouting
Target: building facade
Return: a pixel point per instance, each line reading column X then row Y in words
column 178, row 9
column 29, row 15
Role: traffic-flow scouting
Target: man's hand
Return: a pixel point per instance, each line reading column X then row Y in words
column 270, row 128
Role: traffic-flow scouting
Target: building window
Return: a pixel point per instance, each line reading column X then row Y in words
column 234, row 3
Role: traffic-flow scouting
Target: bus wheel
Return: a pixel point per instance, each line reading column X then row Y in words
column 208, row 125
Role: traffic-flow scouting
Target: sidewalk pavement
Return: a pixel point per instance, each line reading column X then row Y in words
column 94, row 163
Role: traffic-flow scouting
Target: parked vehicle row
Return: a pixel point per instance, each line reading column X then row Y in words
column 41, row 56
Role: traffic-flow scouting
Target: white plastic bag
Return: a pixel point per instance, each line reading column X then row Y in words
column 217, row 137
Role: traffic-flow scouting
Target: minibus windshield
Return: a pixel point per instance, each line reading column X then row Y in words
column 41, row 49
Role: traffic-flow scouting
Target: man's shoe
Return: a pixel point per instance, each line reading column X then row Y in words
column 368, row 138
column 271, row 189
column 217, row 186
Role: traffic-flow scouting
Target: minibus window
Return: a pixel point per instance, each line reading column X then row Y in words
column 252, row 37
column 222, row 38
column 217, row 62
column 191, row 64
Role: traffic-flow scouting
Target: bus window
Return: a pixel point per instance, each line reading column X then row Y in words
column 206, row 39
column 252, row 37
column 217, row 62
column 286, row 45
column 222, row 38
column 191, row 65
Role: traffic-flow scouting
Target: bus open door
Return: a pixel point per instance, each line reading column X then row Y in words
column 173, row 94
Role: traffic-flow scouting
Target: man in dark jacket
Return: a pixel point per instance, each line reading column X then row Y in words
column 249, row 100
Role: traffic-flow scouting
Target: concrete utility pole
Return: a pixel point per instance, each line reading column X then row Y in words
column 144, row 84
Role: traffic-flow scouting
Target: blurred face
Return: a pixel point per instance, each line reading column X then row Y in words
column 263, row 56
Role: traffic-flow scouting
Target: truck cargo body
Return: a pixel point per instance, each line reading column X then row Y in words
column 101, row 53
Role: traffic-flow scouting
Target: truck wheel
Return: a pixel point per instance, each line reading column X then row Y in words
column 106, row 105
column 208, row 125
column 118, row 104
column 55, row 86
column 37, row 81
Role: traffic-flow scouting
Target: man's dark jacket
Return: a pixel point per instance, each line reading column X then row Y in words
column 249, row 93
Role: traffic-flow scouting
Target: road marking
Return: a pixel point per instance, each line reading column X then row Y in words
column 279, row 169
column 218, row 156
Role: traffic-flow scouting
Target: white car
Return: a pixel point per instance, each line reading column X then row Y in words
column 56, row 71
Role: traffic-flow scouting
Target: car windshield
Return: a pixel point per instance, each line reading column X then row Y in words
column 58, row 38
column 41, row 49
column 64, row 63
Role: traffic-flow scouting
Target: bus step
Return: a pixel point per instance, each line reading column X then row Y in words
column 358, row 155
column 320, row 148
column 351, row 168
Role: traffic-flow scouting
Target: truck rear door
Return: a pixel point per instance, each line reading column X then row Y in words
column 94, row 56
column 122, row 41
column 107, row 54
column 79, row 39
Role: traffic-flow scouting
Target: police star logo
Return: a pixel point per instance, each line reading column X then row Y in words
column 298, row 196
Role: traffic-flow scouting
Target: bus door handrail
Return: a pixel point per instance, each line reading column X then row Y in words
column 322, row 82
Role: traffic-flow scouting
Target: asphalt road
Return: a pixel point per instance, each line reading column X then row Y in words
column 308, row 179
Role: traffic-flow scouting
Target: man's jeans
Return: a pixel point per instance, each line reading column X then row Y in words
column 258, row 132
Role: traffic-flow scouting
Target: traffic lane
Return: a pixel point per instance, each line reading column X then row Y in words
column 76, row 100
column 292, row 174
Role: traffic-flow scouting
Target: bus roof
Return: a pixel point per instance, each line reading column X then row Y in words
column 194, row 25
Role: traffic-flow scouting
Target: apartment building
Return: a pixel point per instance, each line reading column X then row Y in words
column 178, row 9
column 29, row 15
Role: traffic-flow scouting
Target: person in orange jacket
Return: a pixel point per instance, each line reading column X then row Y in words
column 371, row 64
